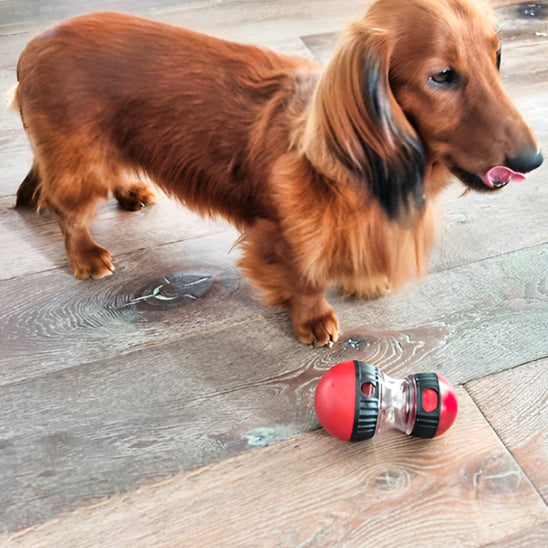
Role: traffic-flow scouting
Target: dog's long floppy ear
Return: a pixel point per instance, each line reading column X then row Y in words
column 364, row 128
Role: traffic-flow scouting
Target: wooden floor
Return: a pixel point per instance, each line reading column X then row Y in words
column 132, row 421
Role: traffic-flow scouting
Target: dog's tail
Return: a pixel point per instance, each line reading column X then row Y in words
column 13, row 99
column 28, row 194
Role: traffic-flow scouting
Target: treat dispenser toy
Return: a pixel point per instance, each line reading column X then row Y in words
column 356, row 401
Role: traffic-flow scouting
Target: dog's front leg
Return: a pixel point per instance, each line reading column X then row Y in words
column 314, row 321
column 269, row 262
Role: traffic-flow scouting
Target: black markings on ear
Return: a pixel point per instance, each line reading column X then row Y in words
column 397, row 178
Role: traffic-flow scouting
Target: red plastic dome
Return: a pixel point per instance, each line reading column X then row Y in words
column 335, row 400
column 449, row 405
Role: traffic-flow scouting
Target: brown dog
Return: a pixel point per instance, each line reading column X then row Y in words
column 330, row 175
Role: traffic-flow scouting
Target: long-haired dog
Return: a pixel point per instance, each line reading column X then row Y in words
column 330, row 174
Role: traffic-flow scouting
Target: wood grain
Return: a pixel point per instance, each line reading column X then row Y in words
column 528, row 538
column 515, row 403
column 317, row 490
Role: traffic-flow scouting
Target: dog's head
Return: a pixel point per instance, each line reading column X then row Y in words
column 444, row 72
column 414, row 84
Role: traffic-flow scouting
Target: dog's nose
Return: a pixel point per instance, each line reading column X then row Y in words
column 525, row 161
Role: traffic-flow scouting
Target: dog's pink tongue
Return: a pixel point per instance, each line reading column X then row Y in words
column 500, row 175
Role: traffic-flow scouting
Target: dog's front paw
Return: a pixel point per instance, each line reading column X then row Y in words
column 366, row 287
column 315, row 330
column 322, row 331
column 93, row 262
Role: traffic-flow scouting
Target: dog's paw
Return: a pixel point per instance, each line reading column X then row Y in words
column 318, row 331
column 95, row 263
column 135, row 196
column 370, row 287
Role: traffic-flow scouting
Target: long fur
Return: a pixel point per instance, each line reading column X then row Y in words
column 330, row 174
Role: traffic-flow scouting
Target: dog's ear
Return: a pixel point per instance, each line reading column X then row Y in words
column 364, row 127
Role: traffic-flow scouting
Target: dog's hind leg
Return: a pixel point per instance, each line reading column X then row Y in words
column 70, row 183
column 75, row 207
column 86, row 258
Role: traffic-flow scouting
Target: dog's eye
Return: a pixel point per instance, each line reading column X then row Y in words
column 499, row 56
column 445, row 78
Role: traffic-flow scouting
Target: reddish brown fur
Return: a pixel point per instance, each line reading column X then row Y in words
column 285, row 151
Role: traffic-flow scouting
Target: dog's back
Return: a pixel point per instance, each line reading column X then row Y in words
column 107, row 91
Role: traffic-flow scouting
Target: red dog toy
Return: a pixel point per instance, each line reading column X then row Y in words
column 356, row 401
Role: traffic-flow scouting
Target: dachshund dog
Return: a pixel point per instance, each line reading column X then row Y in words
column 331, row 175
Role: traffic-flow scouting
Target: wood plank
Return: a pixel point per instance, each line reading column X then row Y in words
column 462, row 489
column 515, row 403
column 68, row 321
column 238, row 12
column 14, row 150
column 465, row 318
column 98, row 429
column 15, row 12
column 478, row 226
